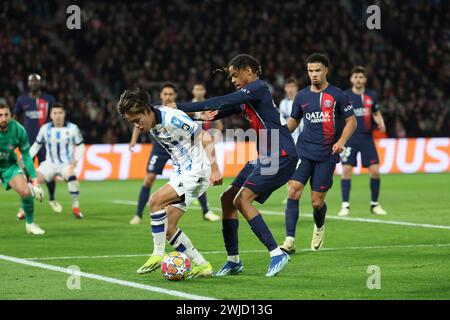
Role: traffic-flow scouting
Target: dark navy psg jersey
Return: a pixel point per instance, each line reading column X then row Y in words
column 255, row 102
column 320, row 112
column 36, row 112
column 363, row 106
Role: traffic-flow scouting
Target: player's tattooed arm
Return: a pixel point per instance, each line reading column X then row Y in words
column 378, row 118
column 216, row 178
column 349, row 128
column 293, row 123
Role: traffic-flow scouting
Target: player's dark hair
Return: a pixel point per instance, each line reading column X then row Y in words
column 4, row 106
column 168, row 84
column 58, row 105
column 134, row 102
column 291, row 80
column 242, row 61
column 318, row 58
column 359, row 69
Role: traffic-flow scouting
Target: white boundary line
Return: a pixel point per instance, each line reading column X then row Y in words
column 406, row 246
column 105, row 279
column 331, row 217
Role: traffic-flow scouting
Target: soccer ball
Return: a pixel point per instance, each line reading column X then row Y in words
column 175, row 266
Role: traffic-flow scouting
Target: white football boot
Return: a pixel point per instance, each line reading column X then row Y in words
column 56, row 206
column 317, row 239
column 136, row 220
column 345, row 211
column 211, row 216
column 378, row 210
column 34, row 229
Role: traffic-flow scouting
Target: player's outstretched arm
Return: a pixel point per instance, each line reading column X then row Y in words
column 349, row 128
column 207, row 142
column 232, row 99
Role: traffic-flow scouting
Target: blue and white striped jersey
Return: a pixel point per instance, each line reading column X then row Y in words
column 175, row 132
column 60, row 142
column 285, row 112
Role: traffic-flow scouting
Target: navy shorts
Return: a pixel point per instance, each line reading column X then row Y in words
column 319, row 173
column 158, row 159
column 363, row 144
column 264, row 183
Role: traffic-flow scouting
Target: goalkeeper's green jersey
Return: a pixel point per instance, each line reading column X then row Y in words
column 15, row 136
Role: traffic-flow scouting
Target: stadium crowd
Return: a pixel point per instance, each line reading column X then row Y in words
column 128, row 44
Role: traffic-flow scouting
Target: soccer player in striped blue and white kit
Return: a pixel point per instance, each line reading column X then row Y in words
column 290, row 88
column 195, row 169
column 64, row 149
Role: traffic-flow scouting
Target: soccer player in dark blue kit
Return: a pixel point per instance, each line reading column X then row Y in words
column 35, row 107
column 320, row 105
column 257, row 180
column 366, row 107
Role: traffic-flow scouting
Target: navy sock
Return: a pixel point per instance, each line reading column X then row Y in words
column 291, row 217
column 346, row 184
column 230, row 236
column 144, row 194
column 51, row 186
column 259, row 227
column 374, row 189
column 319, row 215
column 204, row 203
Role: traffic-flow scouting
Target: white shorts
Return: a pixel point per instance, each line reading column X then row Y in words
column 50, row 170
column 192, row 184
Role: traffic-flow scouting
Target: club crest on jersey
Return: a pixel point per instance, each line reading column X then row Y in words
column 328, row 103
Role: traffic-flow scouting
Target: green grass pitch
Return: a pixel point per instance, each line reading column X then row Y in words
column 413, row 256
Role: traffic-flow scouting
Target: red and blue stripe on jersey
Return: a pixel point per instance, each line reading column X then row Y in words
column 364, row 106
column 320, row 112
column 36, row 112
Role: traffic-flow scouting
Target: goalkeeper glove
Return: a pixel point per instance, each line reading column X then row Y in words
column 36, row 190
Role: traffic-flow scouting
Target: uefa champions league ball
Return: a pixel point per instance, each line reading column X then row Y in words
column 175, row 266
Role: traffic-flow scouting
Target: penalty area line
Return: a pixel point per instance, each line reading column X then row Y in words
column 124, row 283
column 400, row 246
column 331, row 217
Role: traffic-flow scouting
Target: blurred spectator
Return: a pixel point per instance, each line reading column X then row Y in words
column 127, row 44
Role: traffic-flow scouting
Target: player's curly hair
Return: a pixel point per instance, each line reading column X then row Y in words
column 242, row 61
column 318, row 58
column 134, row 102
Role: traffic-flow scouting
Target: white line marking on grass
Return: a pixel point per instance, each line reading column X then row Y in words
column 401, row 246
column 331, row 217
column 106, row 279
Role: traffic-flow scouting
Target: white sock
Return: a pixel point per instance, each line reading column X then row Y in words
column 159, row 230
column 182, row 243
column 235, row 259
column 74, row 189
column 373, row 203
column 275, row 252
column 345, row 204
